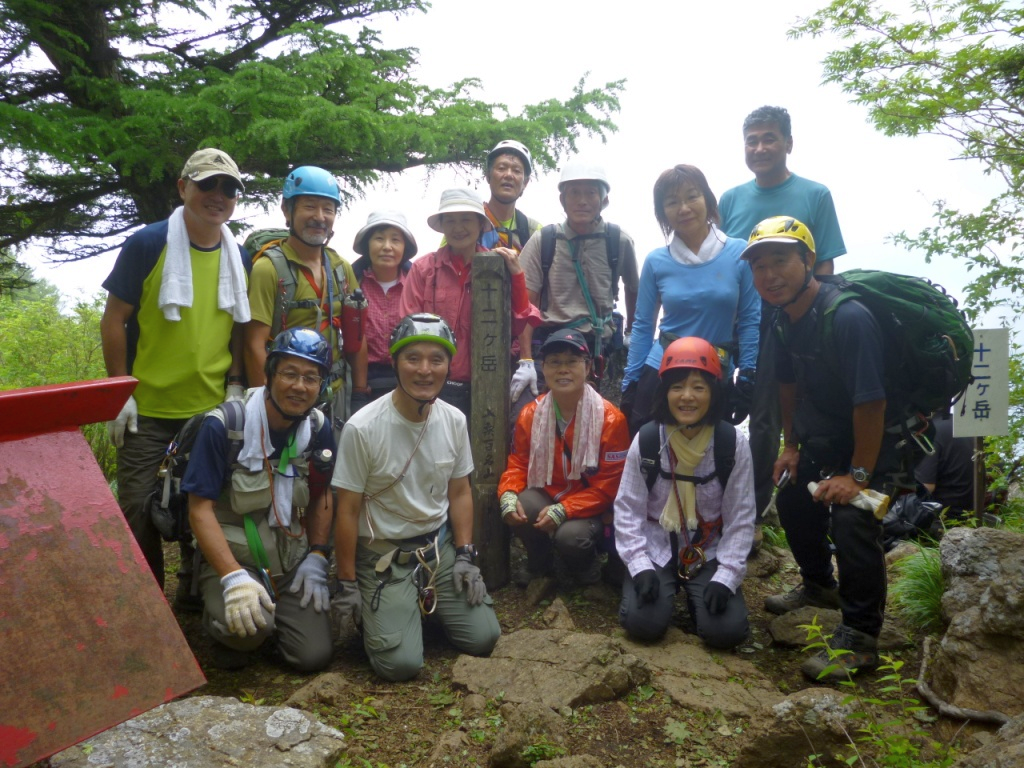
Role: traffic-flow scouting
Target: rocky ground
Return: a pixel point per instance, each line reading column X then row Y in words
column 402, row 724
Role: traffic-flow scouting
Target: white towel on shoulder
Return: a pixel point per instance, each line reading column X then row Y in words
column 256, row 447
column 176, row 280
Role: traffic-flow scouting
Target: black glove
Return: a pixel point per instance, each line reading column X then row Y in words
column 359, row 399
column 647, row 586
column 741, row 396
column 628, row 400
column 716, row 597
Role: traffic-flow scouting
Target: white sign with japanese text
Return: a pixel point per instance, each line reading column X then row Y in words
column 985, row 408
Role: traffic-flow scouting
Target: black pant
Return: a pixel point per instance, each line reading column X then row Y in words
column 765, row 417
column 857, row 536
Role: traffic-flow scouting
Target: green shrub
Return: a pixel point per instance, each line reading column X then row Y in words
column 917, row 592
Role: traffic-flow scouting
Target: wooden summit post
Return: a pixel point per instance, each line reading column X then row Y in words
column 488, row 427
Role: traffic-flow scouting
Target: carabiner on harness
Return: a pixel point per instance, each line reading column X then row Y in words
column 691, row 561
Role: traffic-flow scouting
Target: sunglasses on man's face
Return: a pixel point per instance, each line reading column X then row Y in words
column 228, row 186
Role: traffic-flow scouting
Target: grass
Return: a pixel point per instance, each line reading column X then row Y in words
column 917, row 592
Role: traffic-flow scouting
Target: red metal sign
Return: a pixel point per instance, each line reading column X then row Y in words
column 86, row 638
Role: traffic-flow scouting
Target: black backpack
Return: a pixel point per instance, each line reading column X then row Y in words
column 168, row 504
column 650, row 455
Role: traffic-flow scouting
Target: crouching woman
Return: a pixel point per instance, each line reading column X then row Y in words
column 678, row 524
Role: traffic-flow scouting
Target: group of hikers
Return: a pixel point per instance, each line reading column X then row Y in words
column 341, row 439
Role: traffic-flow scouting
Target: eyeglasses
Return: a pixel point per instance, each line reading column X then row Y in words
column 230, row 187
column 291, row 377
column 564, row 362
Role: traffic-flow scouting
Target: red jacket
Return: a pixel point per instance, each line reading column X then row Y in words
column 590, row 495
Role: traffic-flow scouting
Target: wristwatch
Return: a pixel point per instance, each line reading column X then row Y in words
column 467, row 549
column 860, row 475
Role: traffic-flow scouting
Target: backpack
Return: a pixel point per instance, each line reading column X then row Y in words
column 612, row 235
column 650, row 455
column 168, row 504
column 929, row 344
column 267, row 242
column 909, row 517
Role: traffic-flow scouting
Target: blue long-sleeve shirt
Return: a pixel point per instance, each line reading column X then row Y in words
column 707, row 300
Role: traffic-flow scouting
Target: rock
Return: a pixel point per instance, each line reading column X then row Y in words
column 576, row 761
column 529, row 724
column 811, row 721
column 1004, row 750
column 902, row 550
column 980, row 661
column 763, row 564
column 688, row 672
column 556, row 616
column 473, row 704
column 540, row 589
column 330, row 688
column 209, row 731
column 554, row 667
column 447, row 749
column 785, row 629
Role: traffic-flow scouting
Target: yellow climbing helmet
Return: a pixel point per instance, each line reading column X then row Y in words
column 778, row 229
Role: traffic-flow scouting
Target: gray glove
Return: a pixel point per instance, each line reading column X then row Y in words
column 311, row 578
column 245, row 599
column 347, row 603
column 128, row 417
column 468, row 575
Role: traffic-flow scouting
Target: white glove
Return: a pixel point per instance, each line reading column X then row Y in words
column 311, row 578
column 234, row 392
column 129, row 416
column 243, row 599
column 525, row 376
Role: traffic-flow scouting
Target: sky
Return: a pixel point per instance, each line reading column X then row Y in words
column 693, row 72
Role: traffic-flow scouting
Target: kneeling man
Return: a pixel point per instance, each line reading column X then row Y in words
column 405, row 512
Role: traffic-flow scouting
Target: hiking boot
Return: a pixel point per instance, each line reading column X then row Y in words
column 808, row 593
column 524, row 575
column 228, row 659
column 858, row 652
column 184, row 600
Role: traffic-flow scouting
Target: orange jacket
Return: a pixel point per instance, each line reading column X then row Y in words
column 590, row 495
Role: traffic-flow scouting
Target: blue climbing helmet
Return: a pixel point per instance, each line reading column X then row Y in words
column 303, row 343
column 310, row 180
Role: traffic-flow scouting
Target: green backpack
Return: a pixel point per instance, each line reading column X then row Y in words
column 929, row 344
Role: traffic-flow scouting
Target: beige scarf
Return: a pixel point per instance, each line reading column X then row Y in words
column 688, row 453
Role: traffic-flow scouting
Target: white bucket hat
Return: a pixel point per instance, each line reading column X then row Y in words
column 385, row 219
column 460, row 200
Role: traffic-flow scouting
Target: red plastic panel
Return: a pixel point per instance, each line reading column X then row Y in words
column 34, row 410
column 86, row 638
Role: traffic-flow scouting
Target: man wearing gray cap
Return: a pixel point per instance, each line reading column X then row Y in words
column 176, row 302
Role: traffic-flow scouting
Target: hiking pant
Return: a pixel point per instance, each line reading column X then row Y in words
column 638, row 405
column 765, row 418
column 303, row 635
column 857, row 536
column 392, row 622
column 137, row 463
column 650, row 622
column 576, row 540
column 457, row 393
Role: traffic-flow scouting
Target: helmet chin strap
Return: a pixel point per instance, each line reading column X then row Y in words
column 423, row 403
column 807, row 282
column 284, row 415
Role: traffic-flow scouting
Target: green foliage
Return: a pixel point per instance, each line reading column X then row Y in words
column 102, row 102
column 40, row 344
column 543, row 750
column 889, row 735
column 953, row 68
column 917, row 592
column 775, row 536
column 14, row 276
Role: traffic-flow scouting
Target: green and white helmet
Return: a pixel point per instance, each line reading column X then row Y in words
column 422, row 326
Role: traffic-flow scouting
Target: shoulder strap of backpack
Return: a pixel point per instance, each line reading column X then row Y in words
column 285, row 298
column 650, row 454
column 725, row 451
column 613, row 242
column 232, row 415
column 522, row 228
column 547, row 256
